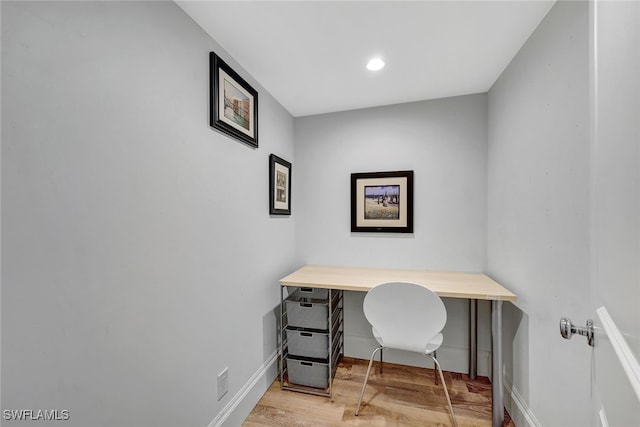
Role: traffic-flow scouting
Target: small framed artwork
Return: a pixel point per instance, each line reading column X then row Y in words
column 234, row 103
column 279, row 186
column 382, row 202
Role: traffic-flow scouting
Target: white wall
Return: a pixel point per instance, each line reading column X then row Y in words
column 444, row 143
column 139, row 258
column 538, row 223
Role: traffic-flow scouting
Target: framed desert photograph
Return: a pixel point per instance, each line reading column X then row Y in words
column 382, row 202
column 279, row 186
column 234, row 103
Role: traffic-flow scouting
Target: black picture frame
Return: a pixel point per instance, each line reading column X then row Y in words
column 233, row 103
column 382, row 202
column 279, row 186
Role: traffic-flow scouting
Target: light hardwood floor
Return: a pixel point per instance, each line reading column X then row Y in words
column 400, row 396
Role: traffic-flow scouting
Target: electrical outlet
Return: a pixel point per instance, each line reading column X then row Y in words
column 223, row 383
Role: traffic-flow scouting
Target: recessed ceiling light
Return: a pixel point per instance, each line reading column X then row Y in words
column 375, row 64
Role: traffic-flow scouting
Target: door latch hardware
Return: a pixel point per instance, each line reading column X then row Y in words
column 567, row 329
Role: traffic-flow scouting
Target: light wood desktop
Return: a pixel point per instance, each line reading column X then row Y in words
column 471, row 286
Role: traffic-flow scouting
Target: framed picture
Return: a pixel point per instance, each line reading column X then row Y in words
column 279, row 186
column 234, row 103
column 382, row 202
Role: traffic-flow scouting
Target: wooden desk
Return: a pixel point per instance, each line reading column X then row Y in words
column 472, row 286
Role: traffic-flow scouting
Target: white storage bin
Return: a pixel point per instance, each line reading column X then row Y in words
column 308, row 373
column 308, row 344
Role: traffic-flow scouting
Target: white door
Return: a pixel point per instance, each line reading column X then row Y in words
column 615, row 226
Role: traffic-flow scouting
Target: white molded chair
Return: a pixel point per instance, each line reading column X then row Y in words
column 406, row 316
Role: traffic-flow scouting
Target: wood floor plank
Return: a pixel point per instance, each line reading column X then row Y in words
column 402, row 396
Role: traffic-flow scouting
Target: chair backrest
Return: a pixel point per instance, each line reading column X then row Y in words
column 405, row 315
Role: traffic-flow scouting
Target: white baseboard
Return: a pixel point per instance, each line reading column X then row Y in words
column 240, row 406
column 517, row 407
column 451, row 359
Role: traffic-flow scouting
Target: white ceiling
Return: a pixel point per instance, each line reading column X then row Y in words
column 311, row 55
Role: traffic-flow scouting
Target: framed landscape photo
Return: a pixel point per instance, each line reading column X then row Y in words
column 382, row 202
column 234, row 103
column 279, row 186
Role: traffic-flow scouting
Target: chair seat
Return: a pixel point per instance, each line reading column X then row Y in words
column 432, row 345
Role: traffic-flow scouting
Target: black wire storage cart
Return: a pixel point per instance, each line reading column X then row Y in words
column 311, row 338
